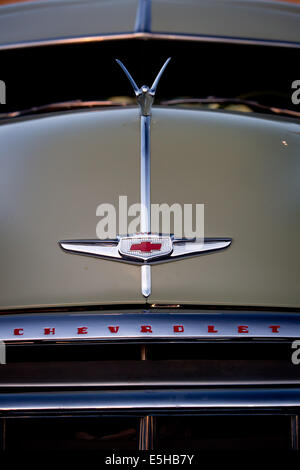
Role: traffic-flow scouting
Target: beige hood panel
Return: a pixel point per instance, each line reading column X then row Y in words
column 62, row 19
column 248, row 19
column 56, row 170
column 59, row 20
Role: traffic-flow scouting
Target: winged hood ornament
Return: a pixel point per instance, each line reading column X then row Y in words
column 145, row 248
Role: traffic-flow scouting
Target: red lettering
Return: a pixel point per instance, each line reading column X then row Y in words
column 146, row 329
column 113, row 329
column 211, row 329
column 178, row 328
column 243, row 329
column 49, row 331
column 18, row 331
column 275, row 328
column 82, row 330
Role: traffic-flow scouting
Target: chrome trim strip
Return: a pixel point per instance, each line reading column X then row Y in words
column 184, row 249
column 178, row 399
column 73, row 40
column 143, row 17
column 145, row 175
column 144, row 383
column 146, row 280
column 145, row 97
column 295, row 432
column 104, row 249
column 148, row 326
column 147, row 433
column 224, row 40
column 145, row 35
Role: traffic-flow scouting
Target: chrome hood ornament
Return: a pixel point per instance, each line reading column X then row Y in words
column 145, row 248
column 145, row 95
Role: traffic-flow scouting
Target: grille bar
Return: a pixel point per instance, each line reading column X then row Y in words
column 147, row 326
column 175, row 399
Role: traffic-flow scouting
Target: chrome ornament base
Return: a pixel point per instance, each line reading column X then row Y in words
column 143, row 249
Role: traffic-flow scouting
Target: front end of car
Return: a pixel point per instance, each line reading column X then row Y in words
column 115, row 335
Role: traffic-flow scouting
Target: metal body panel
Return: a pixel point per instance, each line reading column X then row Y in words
column 56, row 170
column 57, row 19
column 259, row 19
column 30, row 23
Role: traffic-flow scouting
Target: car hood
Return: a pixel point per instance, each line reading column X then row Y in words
column 57, row 169
column 59, row 21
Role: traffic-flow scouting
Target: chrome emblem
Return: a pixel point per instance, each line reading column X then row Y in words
column 145, row 248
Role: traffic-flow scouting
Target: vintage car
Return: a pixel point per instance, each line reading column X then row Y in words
column 93, row 357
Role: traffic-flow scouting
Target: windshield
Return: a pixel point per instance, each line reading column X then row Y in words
column 232, row 77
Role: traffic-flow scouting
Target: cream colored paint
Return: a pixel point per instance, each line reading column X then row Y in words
column 56, row 170
column 56, row 19
column 53, row 20
column 249, row 19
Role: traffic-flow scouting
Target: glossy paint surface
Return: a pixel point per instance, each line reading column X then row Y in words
column 260, row 19
column 56, row 170
column 50, row 21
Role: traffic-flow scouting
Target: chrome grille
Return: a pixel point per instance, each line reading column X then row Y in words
column 215, row 393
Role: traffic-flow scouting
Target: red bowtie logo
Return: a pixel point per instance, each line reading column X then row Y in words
column 145, row 247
